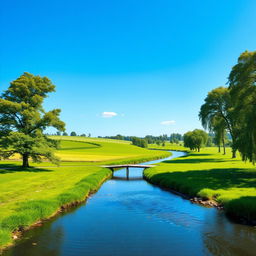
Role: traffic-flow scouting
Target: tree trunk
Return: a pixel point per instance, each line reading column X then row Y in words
column 224, row 148
column 219, row 148
column 198, row 149
column 233, row 153
column 25, row 160
column 223, row 143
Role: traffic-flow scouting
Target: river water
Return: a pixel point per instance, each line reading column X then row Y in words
column 132, row 218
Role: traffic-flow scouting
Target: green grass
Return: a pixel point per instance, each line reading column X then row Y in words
column 29, row 195
column 211, row 175
column 169, row 146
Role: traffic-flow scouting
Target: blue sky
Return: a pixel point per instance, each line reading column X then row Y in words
column 148, row 62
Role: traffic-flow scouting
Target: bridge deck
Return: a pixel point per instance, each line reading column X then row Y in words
column 128, row 166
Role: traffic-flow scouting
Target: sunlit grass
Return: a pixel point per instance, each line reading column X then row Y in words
column 211, row 175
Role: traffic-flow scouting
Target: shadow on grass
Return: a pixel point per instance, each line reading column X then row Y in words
column 11, row 168
column 195, row 160
column 192, row 182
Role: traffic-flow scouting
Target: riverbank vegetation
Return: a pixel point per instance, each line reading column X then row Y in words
column 211, row 176
column 28, row 195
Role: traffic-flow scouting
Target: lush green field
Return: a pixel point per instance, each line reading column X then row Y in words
column 211, row 175
column 29, row 195
column 169, row 146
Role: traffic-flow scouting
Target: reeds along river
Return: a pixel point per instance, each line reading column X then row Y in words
column 132, row 217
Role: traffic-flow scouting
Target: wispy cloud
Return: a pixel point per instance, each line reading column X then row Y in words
column 108, row 114
column 169, row 122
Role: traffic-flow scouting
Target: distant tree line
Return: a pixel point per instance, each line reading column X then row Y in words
column 58, row 133
column 173, row 138
column 232, row 109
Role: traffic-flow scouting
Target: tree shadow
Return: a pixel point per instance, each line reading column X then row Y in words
column 194, row 181
column 194, row 160
column 11, row 168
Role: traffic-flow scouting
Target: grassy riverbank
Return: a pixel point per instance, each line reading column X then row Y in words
column 30, row 195
column 211, row 176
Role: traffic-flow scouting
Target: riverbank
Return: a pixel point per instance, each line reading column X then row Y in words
column 30, row 195
column 212, row 179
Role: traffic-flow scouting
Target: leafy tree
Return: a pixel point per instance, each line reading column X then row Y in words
column 139, row 142
column 23, row 120
column 196, row 139
column 64, row 134
column 83, row 135
column 218, row 106
column 242, row 84
column 73, row 134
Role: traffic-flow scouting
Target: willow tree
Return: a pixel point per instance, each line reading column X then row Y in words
column 218, row 106
column 23, row 120
column 242, row 84
column 218, row 126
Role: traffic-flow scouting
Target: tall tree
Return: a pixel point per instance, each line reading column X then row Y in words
column 242, row 84
column 218, row 126
column 23, row 120
column 218, row 106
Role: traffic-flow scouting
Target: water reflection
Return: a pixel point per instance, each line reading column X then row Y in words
column 221, row 237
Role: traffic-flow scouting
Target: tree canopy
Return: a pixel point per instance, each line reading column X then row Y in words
column 195, row 139
column 139, row 142
column 216, row 114
column 23, row 120
column 242, row 85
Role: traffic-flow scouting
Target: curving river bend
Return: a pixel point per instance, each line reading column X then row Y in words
column 132, row 218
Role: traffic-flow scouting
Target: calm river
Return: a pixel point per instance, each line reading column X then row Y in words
column 132, row 217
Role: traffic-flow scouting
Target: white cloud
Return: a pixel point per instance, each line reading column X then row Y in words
column 169, row 122
column 108, row 114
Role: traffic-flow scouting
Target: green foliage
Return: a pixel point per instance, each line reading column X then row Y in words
column 73, row 134
column 242, row 84
column 216, row 114
column 234, row 109
column 195, row 139
column 139, row 142
column 23, row 119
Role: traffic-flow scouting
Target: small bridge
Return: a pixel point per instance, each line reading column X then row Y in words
column 127, row 166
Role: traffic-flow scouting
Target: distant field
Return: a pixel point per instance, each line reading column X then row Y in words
column 92, row 149
column 169, row 146
column 84, row 149
column 89, row 139
column 28, row 195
